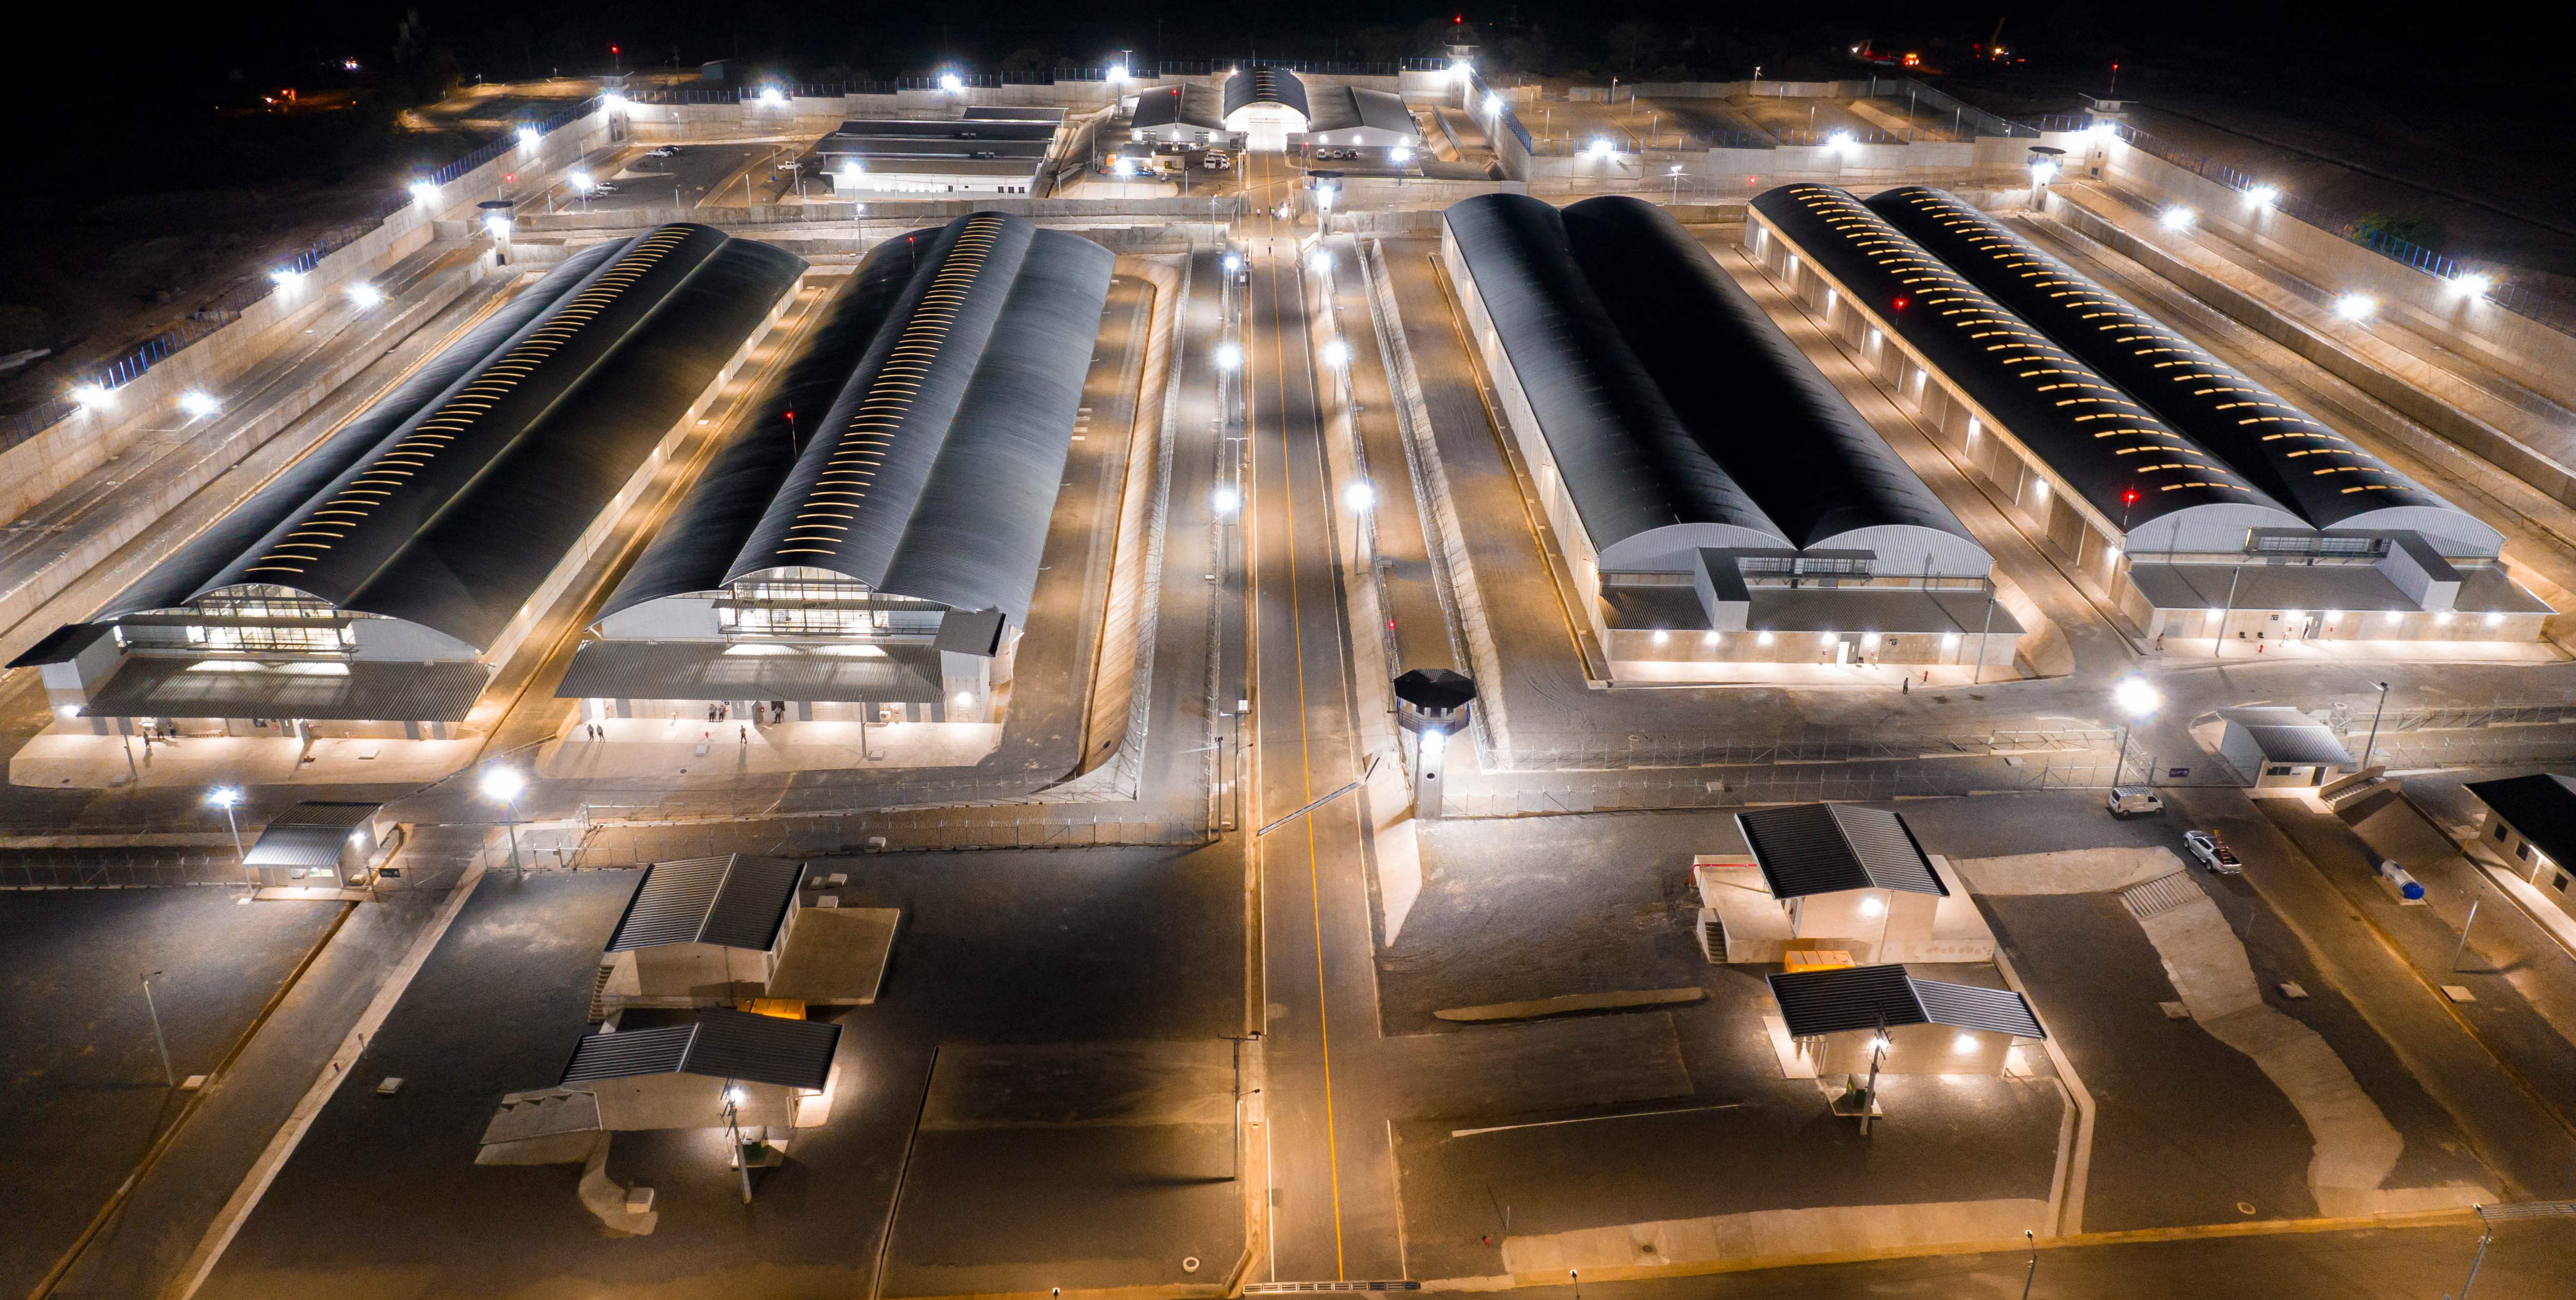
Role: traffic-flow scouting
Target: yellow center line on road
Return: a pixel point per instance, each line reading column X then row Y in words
column 1305, row 759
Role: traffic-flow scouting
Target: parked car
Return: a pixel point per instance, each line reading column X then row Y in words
column 1216, row 160
column 2126, row 801
column 2212, row 852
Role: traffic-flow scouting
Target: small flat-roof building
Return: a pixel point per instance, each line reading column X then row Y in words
column 320, row 843
column 1835, row 878
column 1834, row 1019
column 722, row 931
column 1358, row 117
column 2531, row 823
column 973, row 155
column 1265, row 106
column 865, row 548
column 2066, row 400
column 374, row 586
column 2276, row 747
column 763, row 1075
column 1716, row 497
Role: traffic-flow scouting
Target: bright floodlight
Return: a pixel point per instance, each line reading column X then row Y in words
column 497, row 222
column 1359, row 496
column 199, row 404
column 736, row 1095
column 2472, row 284
column 2177, row 218
column 772, row 95
column 366, row 295
column 2355, row 306
column 1433, row 742
column 1321, row 261
column 93, row 397
column 528, row 137
column 1228, row 357
column 1233, row 262
column 224, row 796
column 1122, row 166
column 2042, row 172
column 1402, row 153
column 579, row 180
column 615, row 104
column 1462, row 69
column 503, row 783
column 424, row 194
column 1226, row 500
column 2136, row 697
column 1841, row 142
column 1337, row 354
column 1601, row 146
column 286, row 279
column 1118, row 72
column 963, row 700
column 2262, row 196
column 951, row 82
column 1493, row 102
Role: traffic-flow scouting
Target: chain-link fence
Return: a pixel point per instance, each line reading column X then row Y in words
column 1524, row 750
column 621, row 845
column 1745, row 787
column 115, row 868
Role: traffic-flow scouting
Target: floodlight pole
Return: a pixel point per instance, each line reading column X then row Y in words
column 171, row 1079
column 1877, row 1050
column 2375, row 713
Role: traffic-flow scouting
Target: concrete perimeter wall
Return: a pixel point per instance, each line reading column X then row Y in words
column 47, row 463
column 2524, row 350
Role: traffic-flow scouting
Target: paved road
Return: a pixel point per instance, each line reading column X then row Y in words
column 1336, row 1216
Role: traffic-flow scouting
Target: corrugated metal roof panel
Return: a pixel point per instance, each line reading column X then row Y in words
column 2542, row 806
column 149, row 686
column 1866, row 997
column 701, row 670
column 630, row 1054
column 752, row 905
column 763, row 1049
column 1821, row 848
column 1970, row 1006
column 669, row 904
column 2286, row 735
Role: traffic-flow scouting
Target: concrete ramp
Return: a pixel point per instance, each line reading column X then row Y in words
column 1774, row 1234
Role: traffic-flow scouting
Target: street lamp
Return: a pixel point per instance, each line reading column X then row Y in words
column 228, row 798
column 1674, row 173
column 951, row 82
column 2356, row 306
column 772, row 95
column 1229, row 357
column 2375, row 713
column 1118, row 72
column 93, row 397
column 425, row 194
column 2139, row 699
column 287, row 278
column 1320, row 262
column 1226, row 500
column 1336, row 353
column 1601, row 146
column 1359, row 496
column 365, row 295
column 2177, row 217
column 2262, row 196
column 198, row 405
column 2472, row 284
column 503, row 785
column 528, row 137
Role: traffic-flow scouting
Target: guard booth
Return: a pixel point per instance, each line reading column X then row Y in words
column 322, row 845
column 1431, row 705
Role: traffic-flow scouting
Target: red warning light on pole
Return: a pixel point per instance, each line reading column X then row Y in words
column 1900, row 303
column 2129, row 498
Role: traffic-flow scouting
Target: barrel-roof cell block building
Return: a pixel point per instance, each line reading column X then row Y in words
column 1702, row 475
column 869, row 539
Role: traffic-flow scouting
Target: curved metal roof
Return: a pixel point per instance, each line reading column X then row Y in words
column 1177, row 105
column 955, row 362
column 2100, row 441
column 2319, row 473
column 1755, row 402
column 1345, row 108
column 1629, row 463
column 453, row 516
column 1265, row 86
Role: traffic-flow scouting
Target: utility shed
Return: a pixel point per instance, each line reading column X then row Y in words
column 1834, row 1019
column 705, row 932
column 676, row 1076
column 2531, row 823
column 705, row 929
column 2276, row 747
column 1835, row 877
column 314, row 843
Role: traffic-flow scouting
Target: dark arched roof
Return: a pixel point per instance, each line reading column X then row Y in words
column 1629, row 463
column 449, row 508
column 935, row 410
column 1755, row 402
column 2318, row 473
column 2098, row 439
column 1265, row 86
